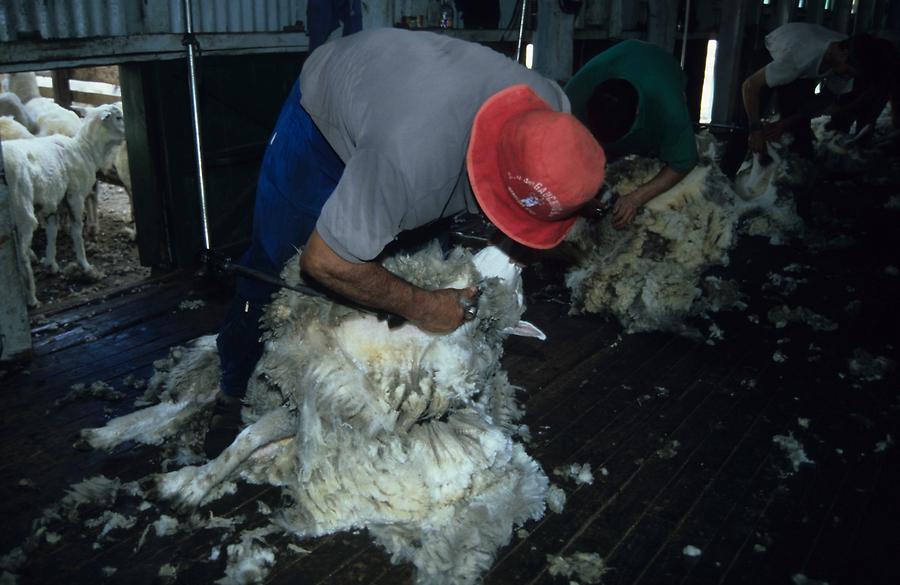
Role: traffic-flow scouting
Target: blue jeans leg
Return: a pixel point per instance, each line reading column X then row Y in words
column 300, row 170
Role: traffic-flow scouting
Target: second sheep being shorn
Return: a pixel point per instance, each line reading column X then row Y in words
column 407, row 434
column 648, row 276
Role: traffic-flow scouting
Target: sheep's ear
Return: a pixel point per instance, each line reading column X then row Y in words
column 526, row 329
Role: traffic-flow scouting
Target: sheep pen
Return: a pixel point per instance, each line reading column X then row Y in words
column 410, row 435
column 54, row 173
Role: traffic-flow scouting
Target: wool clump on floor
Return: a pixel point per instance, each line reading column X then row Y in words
column 586, row 567
column 793, row 449
column 407, row 434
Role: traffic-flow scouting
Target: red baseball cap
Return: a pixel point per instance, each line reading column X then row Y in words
column 531, row 167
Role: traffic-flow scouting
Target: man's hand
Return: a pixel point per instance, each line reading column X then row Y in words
column 369, row 284
column 625, row 210
column 444, row 309
column 627, row 206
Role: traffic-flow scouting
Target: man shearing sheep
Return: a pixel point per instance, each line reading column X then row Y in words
column 389, row 130
column 631, row 97
column 803, row 56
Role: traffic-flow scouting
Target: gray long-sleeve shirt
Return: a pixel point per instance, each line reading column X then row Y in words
column 397, row 107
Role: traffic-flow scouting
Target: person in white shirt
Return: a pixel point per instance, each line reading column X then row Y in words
column 802, row 56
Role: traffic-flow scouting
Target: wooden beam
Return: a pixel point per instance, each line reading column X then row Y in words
column 53, row 54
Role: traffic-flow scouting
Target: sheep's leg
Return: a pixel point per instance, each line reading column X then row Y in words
column 50, row 254
column 91, row 212
column 26, row 232
column 151, row 425
column 189, row 485
column 76, row 227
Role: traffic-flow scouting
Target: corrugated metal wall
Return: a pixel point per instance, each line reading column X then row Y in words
column 62, row 19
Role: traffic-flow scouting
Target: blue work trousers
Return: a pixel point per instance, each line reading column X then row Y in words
column 299, row 172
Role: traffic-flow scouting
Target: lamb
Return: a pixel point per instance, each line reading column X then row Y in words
column 12, row 106
column 10, row 129
column 47, row 172
column 52, row 118
column 405, row 433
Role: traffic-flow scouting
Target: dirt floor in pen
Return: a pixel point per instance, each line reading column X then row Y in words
column 678, row 433
column 112, row 252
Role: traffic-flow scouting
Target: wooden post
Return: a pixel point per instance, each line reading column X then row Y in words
column 780, row 15
column 840, row 20
column 615, row 19
column 865, row 15
column 879, row 20
column 815, row 10
column 62, row 94
column 893, row 17
column 728, row 60
column 553, row 41
column 15, row 331
column 661, row 20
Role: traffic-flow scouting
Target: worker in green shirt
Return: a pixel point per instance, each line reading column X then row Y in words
column 631, row 97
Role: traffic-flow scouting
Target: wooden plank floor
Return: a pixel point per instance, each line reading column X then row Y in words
column 679, row 433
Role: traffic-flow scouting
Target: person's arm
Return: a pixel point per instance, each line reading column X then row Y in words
column 626, row 207
column 750, row 91
column 369, row 284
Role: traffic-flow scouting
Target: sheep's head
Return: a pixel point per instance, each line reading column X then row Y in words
column 105, row 124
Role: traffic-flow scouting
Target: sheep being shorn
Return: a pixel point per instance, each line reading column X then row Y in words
column 766, row 194
column 648, row 274
column 408, row 434
column 46, row 172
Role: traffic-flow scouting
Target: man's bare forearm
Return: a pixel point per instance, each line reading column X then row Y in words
column 369, row 284
column 665, row 179
column 750, row 93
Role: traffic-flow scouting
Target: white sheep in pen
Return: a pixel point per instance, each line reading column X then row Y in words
column 11, row 106
column 46, row 173
column 405, row 433
column 10, row 129
column 24, row 85
column 52, row 118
